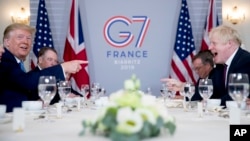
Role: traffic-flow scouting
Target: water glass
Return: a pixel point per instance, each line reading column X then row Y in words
column 64, row 89
column 166, row 93
column 47, row 90
column 205, row 90
column 188, row 91
column 85, row 92
column 238, row 87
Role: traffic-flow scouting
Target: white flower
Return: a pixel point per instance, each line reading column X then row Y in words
column 132, row 84
column 128, row 121
column 116, row 95
column 129, row 85
column 146, row 115
column 128, row 113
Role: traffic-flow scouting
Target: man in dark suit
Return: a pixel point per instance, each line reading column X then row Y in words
column 225, row 45
column 47, row 57
column 203, row 65
column 17, row 85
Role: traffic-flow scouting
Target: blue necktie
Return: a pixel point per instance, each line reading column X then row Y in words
column 22, row 66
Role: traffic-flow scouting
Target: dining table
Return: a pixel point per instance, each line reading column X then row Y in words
column 190, row 125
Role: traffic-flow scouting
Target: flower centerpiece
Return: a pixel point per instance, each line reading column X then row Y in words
column 131, row 116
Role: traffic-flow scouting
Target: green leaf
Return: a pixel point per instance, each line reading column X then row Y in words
column 84, row 124
column 109, row 119
column 171, row 127
column 146, row 130
column 116, row 136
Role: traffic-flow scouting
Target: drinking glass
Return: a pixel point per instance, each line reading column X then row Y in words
column 64, row 89
column 238, row 87
column 188, row 91
column 95, row 91
column 47, row 91
column 85, row 92
column 166, row 93
column 205, row 90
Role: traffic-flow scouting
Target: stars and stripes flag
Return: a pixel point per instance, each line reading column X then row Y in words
column 75, row 48
column 43, row 36
column 184, row 48
column 211, row 22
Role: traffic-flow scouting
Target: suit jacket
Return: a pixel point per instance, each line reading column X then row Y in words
column 16, row 85
column 239, row 64
column 57, row 98
column 218, row 87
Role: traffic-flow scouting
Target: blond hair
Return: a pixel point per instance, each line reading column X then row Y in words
column 15, row 26
column 225, row 33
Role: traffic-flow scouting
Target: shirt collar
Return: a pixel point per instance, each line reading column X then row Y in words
column 230, row 59
column 17, row 60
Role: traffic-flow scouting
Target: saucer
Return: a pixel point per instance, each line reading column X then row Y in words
column 5, row 119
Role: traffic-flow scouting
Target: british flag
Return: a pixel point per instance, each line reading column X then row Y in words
column 211, row 22
column 75, row 47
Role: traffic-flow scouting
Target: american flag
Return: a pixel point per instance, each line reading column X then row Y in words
column 43, row 36
column 75, row 47
column 184, row 48
column 211, row 22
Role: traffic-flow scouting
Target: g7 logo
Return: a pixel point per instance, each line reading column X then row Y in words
column 126, row 37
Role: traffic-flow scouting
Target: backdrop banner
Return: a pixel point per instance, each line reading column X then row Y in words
column 129, row 37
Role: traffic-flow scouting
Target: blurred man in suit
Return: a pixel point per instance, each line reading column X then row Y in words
column 203, row 65
column 17, row 85
column 225, row 45
column 47, row 57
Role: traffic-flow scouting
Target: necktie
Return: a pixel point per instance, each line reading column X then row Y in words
column 225, row 74
column 22, row 66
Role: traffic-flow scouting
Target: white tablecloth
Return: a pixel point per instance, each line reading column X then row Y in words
column 190, row 127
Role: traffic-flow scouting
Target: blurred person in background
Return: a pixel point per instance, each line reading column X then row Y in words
column 204, row 66
column 47, row 57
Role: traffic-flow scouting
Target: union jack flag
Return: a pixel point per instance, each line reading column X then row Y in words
column 75, row 48
column 211, row 22
column 43, row 36
column 184, row 48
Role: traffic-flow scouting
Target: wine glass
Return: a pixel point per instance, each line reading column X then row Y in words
column 85, row 92
column 188, row 91
column 166, row 93
column 238, row 87
column 205, row 90
column 95, row 91
column 47, row 91
column 64, row 89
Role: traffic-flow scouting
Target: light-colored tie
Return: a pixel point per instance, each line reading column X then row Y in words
column 22, row 66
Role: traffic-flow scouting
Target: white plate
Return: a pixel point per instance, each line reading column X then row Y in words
column 5, row 119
